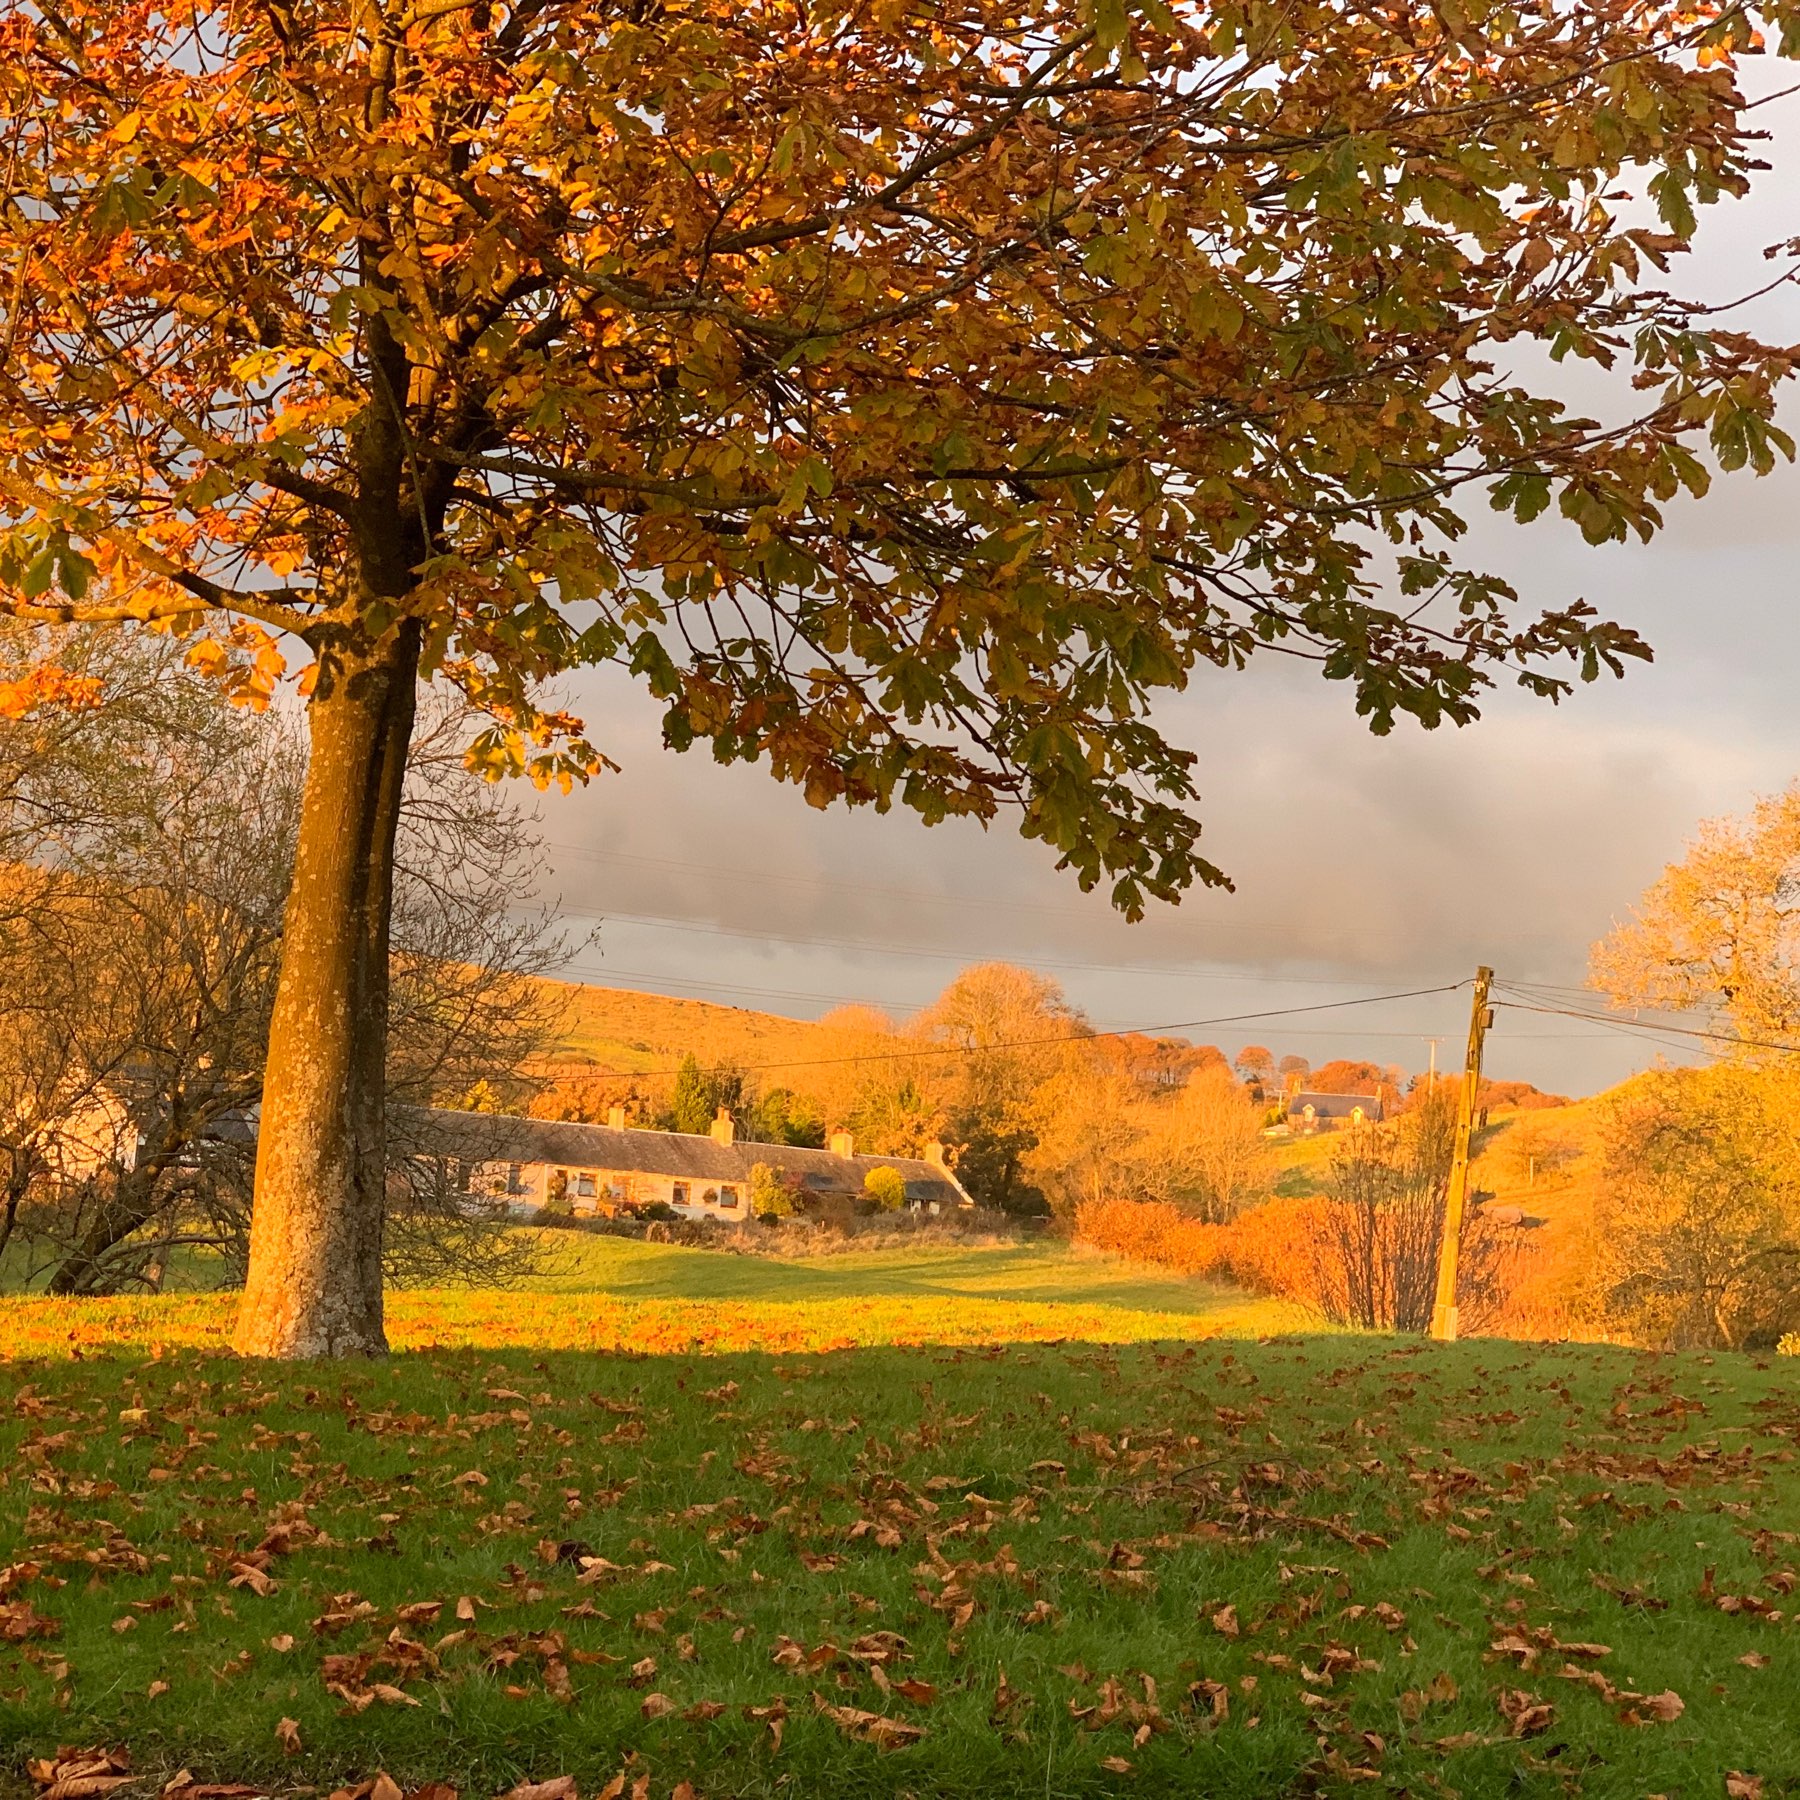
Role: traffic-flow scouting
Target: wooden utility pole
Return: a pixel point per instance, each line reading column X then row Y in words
column 1443, row 1314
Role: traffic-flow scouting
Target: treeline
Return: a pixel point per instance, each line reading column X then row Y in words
column 1041, row 1112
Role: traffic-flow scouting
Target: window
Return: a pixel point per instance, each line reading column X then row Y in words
column 728, row 1196
column 584, row 1184
column 678, row 1194
column 515, row 1178
column 557, row 1187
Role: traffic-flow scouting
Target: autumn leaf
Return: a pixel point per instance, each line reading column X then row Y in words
column 871, row 1728
column 287, row 1734
column 559, row 1787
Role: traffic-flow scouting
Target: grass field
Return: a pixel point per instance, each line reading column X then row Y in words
column 1224, row 1569
column 607, row 1293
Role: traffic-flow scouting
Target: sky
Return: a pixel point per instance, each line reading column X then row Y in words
column 1362, row 866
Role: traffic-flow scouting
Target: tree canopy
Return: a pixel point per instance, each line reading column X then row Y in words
column 1718, row 933
column 906, row 391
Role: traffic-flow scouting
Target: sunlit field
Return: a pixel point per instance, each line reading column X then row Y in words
column 618, row 1294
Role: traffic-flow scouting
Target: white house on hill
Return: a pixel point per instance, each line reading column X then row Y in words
column 525, row 1164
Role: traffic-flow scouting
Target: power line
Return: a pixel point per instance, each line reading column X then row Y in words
column 1634, row 1027
column 888, row 1056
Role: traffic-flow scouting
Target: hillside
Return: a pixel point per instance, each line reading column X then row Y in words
column 621, row 1032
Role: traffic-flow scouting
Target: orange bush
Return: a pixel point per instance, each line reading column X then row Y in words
column 1153, row 1231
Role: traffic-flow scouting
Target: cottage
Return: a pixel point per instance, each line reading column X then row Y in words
column 524, row 1164
column 1325, row 1112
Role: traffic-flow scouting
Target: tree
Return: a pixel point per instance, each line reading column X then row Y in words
column 700, row 1095
column 1009, row 1030
column 1374, row 1239
column 782, row 1116
column 906, row 395
column 1255, row 1067
column 886, row 1188
column 1697, row 1226
column 138, row 963
column 1347, row 1076
column 1719, row 932
column 1214, row 1147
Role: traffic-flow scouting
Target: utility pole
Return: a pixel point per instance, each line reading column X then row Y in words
column 1431, row 1074
column 1481, row 1016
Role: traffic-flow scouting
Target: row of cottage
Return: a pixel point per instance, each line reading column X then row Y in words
column 525, row 1164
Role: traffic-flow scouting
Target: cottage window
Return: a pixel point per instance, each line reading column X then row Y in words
column 584, row 1184
column 515, row 1178
column 728, row 1196
column 678, row 1194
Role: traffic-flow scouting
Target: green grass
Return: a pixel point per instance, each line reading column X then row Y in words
column 1407, row 1534
column 578, row 1262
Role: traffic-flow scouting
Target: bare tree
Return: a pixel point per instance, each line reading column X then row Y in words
column 1374, row 1241
column 150, row 834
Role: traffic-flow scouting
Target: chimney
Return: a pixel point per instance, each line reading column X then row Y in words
column 723, row 1130
column 934, row 1154
column 840, row 1143
column 615, row 1118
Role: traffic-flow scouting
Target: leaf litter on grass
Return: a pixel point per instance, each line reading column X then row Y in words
column 1254, row 1568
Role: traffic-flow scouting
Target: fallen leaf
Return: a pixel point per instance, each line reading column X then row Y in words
column 1525, row 1713
column 76, row 1774
column 871, row 1728
column 559, row 1787
column 1664, row 1708
column 657, row 1706
column 287, row 1735
column 1739, row 1786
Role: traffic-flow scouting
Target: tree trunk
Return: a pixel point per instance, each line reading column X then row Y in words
column 314, row 1285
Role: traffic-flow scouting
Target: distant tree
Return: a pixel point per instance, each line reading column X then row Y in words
column 1218, row 1159
column 1718, row 933
column 1255, row 1066
column 697, row 1096
column 781, row 1116
column 1697, row 1228
column 1373, row 1242
column 1294, row 1072
column 1007, row 1030
column 887, row 1188
column 898, row 1116
column 1347, row 1077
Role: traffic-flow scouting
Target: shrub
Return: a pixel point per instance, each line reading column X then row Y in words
column 771, row 1194
column 1152, row 1231
column 887, row 1188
